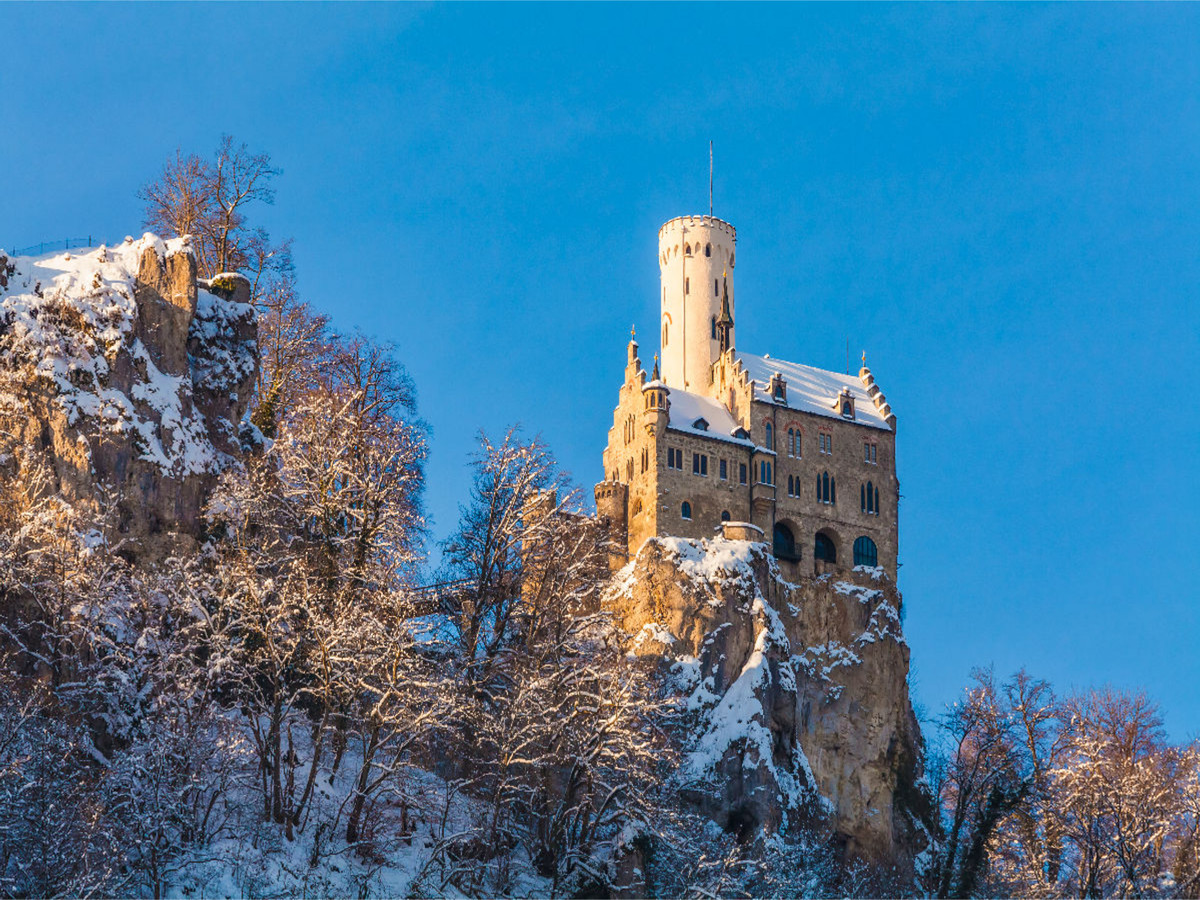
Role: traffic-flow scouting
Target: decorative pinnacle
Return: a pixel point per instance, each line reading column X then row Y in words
column 633, row 332
column 864, row 359
column 654, row 376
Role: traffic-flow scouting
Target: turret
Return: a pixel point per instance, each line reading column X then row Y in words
column 695, row 257
column 656, row 410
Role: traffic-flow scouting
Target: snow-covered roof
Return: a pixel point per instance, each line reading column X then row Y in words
column 688, row 408
column 810, row 390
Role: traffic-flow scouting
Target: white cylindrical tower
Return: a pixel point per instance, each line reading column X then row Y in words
column 695, row 260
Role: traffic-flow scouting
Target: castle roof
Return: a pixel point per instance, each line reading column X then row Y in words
column 687, row 409
column 810, row 389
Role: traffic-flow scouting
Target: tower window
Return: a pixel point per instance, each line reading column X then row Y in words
column 865, row 552
column 741, row 473
column 708, row 249
column 664, row 334
column 716, row 288
column 687, row 285
column 685, row 510
column 687, row 249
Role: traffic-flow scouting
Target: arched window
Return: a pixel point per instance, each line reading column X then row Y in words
column 685, row 511
column 865, row 553
column 823, row 548
column 687, row 249
column 870, row 499
column 724, row 515
column 789, row 485
column 824, row 487
column 708, row 249
column 784, row 542
column 770, row 437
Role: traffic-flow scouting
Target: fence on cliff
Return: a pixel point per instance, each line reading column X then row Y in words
column 52, row 246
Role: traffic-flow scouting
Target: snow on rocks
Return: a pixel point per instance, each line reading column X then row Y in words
column 136, row 372
column 796, row 694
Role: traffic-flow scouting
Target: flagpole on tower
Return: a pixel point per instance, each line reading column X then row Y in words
column 710, row 207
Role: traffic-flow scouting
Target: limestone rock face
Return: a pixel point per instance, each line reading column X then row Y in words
column 126, row 378
column 798, row 693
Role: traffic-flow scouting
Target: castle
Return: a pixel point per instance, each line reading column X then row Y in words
column 717, row 440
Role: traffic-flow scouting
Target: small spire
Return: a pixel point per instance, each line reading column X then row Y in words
column 864, row 359
column 633, row 332
column 654, row 377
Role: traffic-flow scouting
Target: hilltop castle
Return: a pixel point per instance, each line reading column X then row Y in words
column 720, row 440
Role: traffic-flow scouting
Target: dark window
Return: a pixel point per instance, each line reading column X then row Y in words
column 724, row 515
column 699, row 464
column 708, row 249
column 825, row 487
column 714, row 327
column 876, row 501
column 687, row 284
column 823, row 548
column 833, row 490
column 724, row 470
column 862, row 497
column 742, row 473
column 770, row 437
column 764, row 472
column 784, row 542
column 685, row 510
column 865, row 552
column 789, row 485
column 716, row 288
column 870, row 499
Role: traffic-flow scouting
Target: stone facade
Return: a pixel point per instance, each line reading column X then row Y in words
column 744, row 442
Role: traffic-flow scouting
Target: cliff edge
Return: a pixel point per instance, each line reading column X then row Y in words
column 797, row 694
column 123, row 383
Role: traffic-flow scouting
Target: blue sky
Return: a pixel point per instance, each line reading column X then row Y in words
column 1001, row 204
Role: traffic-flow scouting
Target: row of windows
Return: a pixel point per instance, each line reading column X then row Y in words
column 784, row 546
column 700, row 465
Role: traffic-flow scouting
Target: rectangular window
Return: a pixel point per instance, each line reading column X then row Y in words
column 674, row 458
column 700, row 464
column 687, row 285
column 872, row 454
column 716, row 289
column 724, row 467
column 764, row 472
column 742, row 473
column 826, row 442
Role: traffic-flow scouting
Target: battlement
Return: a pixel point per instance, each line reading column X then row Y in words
column 713, row 222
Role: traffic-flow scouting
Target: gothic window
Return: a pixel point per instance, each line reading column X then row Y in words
column 687, row 249
column 825, row 488
column 871, row 499
column 784, row 542
column 685, row 510
column 724, row 467
column 770, row 437
column 823, row 548
column 741, row 473
column 708, row 249
column 865, row 552
column 791, row 444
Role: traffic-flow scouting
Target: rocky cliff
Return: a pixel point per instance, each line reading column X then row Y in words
column 797, row 693
column 126, row 379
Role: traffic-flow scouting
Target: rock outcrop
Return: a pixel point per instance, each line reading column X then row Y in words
column 798, row 693
column 126, row 378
